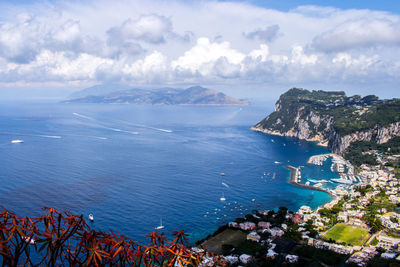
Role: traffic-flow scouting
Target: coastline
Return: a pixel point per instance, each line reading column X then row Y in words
column 319, row 141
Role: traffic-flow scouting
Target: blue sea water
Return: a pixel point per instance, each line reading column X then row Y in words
column 133, row 165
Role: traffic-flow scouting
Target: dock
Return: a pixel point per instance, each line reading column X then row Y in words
column 294, row 181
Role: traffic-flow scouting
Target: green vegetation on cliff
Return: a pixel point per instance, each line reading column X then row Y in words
column 349, row 114
column 336, row 119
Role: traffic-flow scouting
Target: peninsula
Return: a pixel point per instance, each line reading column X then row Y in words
column 346, row 125
column 361, row 225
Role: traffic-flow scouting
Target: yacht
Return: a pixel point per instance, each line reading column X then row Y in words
column 160, row 226
column 222, row 198
column 16, row 141
column 91, row 217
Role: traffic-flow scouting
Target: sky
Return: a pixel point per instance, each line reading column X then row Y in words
column 255, row 49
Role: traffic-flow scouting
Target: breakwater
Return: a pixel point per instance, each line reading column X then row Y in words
column 294, row 180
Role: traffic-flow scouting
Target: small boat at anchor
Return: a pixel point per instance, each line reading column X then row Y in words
column 222, row 198
column 91, row 217
column 160, row 226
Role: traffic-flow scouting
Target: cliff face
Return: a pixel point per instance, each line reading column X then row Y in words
column 332, row 119
column 380, row 135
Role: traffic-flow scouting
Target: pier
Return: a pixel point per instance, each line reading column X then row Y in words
column 294, row 181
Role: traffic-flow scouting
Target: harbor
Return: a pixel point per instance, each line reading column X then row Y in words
column 339, row 164
column 295, row 179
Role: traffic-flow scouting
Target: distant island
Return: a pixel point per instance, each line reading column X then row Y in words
column 348, row 126
column 117, row 94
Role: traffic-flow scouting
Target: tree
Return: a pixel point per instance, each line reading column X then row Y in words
column 63, row 239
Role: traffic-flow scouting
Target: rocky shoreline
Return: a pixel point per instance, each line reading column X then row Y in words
column 316, row 139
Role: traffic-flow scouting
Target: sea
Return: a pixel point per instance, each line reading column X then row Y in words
column 133, row 166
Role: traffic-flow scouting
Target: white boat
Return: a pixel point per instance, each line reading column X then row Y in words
column 31, row 241
column 222, row 198
column 276, row 162
column 160, row 226
column 342, row 181
column 16, row 141
column 91, row 217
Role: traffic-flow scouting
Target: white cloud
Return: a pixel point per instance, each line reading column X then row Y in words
column 299, row 57
column 268, row 34
column 202, row 57
column 147, row 69
column 359, row 33
column 22, row 40
column 154, row 42
column 148, row 28
column 260, row 54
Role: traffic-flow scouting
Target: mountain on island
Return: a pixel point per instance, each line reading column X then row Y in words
column 116, row 94
column 335, row 120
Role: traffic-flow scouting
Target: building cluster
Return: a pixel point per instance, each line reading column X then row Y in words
column 390, row 220
column 257, row 232
column 362, row 257
column 351, row 206
column 334, row 247
column 382, row 183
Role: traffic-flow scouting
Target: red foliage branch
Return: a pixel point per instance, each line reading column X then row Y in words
column 63, row 239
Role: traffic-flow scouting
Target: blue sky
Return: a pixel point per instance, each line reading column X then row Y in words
column 391, row 6
column 285, row 5
column 249, row 47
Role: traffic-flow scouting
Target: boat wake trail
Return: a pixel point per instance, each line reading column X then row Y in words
column 224, row 184
column 119, row 130
column 157, row 129
column 89, row 136
column 50, row 136
column 83, row 116
column 146, row 127
column 101, row 125
column 35, row 135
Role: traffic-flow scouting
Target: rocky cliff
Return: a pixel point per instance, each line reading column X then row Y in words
column 332, row 118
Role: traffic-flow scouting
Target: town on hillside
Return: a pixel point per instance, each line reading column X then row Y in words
column 359, row 227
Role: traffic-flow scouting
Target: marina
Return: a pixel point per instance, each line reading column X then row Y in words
column 295, row 178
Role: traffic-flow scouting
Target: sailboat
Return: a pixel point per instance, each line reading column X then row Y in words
column 223, row 197
column 160, row 226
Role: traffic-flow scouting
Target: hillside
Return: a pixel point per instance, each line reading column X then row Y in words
column 165, row 96
column 333, row 119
